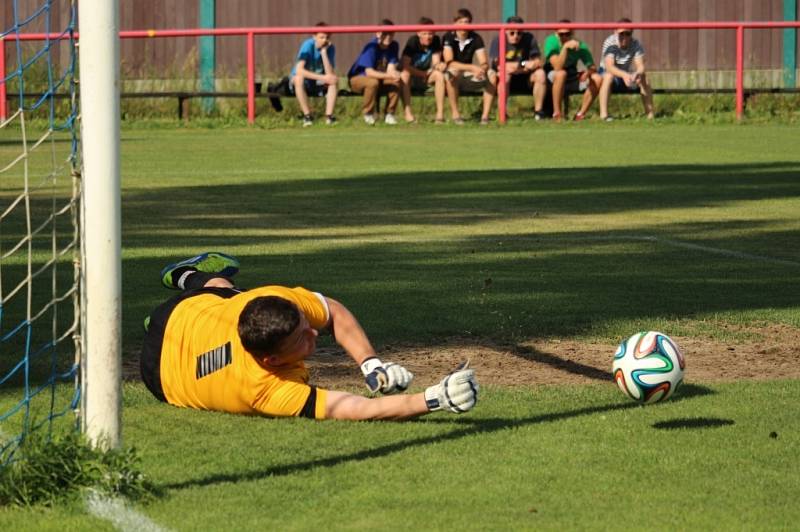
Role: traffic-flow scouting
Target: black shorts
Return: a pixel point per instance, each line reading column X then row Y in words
column 150, row 358
column 573, row 81
column 520, row 84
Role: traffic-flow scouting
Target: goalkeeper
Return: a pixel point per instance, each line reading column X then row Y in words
column 217, row 347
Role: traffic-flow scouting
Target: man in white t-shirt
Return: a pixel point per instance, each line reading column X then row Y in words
column 623, row 70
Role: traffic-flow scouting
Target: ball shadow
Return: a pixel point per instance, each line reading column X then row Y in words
column 693, row 423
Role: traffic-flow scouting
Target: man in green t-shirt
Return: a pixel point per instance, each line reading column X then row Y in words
column 562, row 53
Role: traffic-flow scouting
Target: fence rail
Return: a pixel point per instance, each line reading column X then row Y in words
column 251, row 32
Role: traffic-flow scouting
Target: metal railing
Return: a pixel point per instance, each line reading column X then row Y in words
column 250, row 34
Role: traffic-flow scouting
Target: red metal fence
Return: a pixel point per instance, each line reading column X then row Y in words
column 250, row 33
column 707, row 54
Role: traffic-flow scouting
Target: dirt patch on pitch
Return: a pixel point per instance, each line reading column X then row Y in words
column 771, row 354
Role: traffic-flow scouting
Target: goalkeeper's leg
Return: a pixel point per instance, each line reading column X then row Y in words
column 198, row 271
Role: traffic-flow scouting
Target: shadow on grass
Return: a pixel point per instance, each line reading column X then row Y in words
column 562, row 364
column 450, row 197
column 337, row 236
column 470, row 427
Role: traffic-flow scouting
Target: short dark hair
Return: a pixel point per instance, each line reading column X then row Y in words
column 565, row 21
column 386, row 22
column 320, row 23
column 265, row 322
column 463, row 13
column 515, row 19
column 425, row 20
column 625, row 20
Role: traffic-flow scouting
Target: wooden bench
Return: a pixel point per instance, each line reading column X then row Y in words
column 184, row 98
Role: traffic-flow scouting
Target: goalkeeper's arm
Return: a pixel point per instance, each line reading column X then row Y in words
column 342, row 405
column 383, row 377
column 457, row 393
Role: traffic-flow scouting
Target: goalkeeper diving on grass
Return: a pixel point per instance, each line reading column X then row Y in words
column 218, row 347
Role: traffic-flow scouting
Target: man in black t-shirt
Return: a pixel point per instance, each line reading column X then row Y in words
column 423, row 66
column 461, row 50
column 524, row 73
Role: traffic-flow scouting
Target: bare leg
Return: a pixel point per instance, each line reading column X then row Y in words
column 605, row 94
column 218, row 282
column 539, row 82
column 330, row 99
column 591, row 92
column 405, row 76
column 489, row 92
column 559, row 78
column 300, row 94
column 452, row 95
column 647, row 97
column 437, row 79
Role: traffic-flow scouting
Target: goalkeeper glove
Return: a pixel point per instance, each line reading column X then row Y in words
column 387, row 378
column 458, row 392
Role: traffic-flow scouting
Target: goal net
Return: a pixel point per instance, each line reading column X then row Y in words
column 39, row 210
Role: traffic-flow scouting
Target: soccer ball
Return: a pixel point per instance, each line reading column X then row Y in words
column 648, row 367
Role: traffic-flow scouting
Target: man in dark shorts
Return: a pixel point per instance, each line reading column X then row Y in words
column 467, row 65
column 313, row 75
column 623, row 70
column 562, row 53
column 524, row 73
column 422, row 67
column 217, row 347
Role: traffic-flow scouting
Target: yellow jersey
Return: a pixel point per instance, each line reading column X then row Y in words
column 204, row 366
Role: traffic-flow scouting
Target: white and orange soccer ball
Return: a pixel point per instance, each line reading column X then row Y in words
column 648, row 367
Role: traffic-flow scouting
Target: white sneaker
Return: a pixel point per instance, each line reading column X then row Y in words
column 369, row 119
column 390, row 119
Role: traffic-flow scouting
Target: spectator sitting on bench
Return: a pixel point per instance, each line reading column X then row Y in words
column 460, row 49
column 423, row 66
column 313, row 75
column 562, row 53
column 375, row 73
column 524, row 73
column 623, row 70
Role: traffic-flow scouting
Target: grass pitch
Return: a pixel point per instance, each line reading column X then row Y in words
column 500, row 233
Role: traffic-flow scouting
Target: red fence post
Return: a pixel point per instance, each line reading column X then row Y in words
column 251, row 74
column 739, row 72
column 3, row 102
column 501, row 78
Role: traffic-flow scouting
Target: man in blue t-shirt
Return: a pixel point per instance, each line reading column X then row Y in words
column 313, row 75
column 376, row 73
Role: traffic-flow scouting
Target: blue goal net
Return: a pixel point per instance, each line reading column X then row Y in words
column 39, row 213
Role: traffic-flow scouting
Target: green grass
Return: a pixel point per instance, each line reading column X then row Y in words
column 550, row 457
column 577, row 239
column 586, row 231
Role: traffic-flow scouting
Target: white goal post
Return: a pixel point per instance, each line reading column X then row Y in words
column 101, row 285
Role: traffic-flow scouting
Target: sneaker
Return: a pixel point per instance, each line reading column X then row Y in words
column 484, row 121
column 458, row 121
column 330, row 120
column 579, row 116
column 608, row 119
column 538, row 115
column 308, row 120
column 369, row 119
column 209, row 262
column 390, row 119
